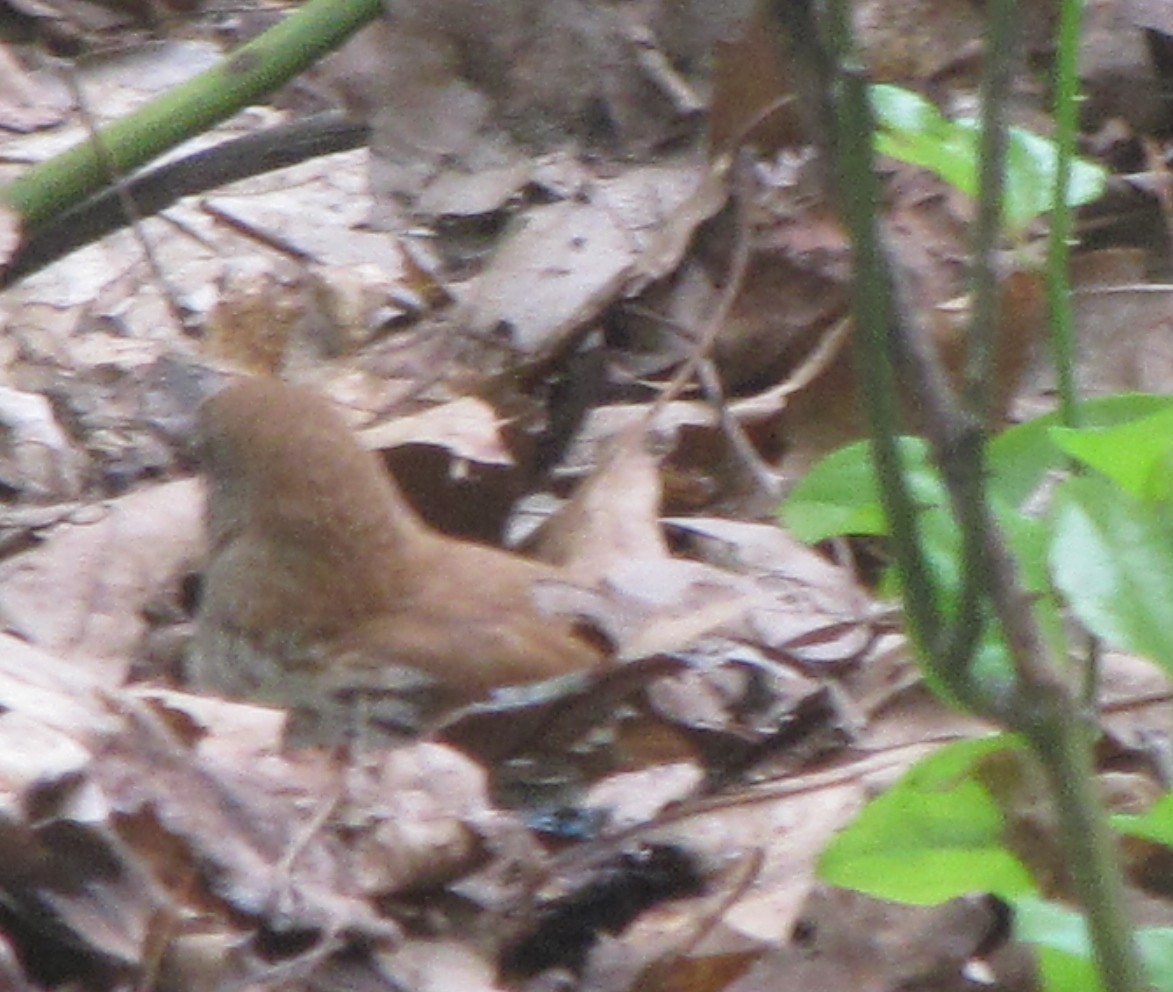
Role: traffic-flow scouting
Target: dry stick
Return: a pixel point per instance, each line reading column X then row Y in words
column 698, row 365
column 269, row 239
column 126, row 201
column 749, row 465
column 705, row 341
column 816, row 361
column 716, row 319
column 738, row 264
column 852, row 769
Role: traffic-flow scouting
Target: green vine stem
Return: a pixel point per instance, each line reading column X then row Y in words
column 1037, row 700
column 242, row 78
column 1059, row 247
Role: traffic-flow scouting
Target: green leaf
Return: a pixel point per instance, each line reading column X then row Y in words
column 1031, row 168
column 1135, row 455
column 934, row 836
column 1112, row 557
column 1156, row 952
column 1018, row 458
column 840, row 495
column 912, row 130
column 1061, row 935
column 1155, row 823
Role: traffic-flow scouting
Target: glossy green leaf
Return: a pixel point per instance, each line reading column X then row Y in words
column 1061, row 939
column 840, row 496
column 912, row 130
column 1112, row 558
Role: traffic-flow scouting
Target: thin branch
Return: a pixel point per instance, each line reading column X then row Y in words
column 252, row 71
column 998, row 62
column 1040, row 704
column 155, row 190
column 1066, row 111
column 125, row 200
column 842, row 129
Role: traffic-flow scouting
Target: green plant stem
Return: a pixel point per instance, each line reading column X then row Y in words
column 848, row 146
column 1061, row 322
column 1039, row 702
column 997, row 72
column 872, row 311
column 255, row 69
column 964, row 459
column 1064, row 746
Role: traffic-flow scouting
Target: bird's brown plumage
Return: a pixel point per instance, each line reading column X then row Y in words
column 322, row 583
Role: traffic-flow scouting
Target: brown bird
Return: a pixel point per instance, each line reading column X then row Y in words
column 324, row 587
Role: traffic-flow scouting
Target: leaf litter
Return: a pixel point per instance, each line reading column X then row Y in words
column 156, row 838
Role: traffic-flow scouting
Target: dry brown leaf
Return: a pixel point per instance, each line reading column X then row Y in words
column 468, row 427
column 422, row 812
column 851, row 942
column 612, row 517
column 28, row 101
column 440, row 966
column 671, row 242
column 551, row 277
column 1122, row 330
column 752, row 91
column 82, row 592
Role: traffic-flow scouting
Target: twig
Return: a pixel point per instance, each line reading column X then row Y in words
column 125, row 200
column 161, row 187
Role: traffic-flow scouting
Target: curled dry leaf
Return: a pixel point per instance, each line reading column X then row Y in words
column 613, row 515
column 551, row 277
column 467, row 427
column 131, row 844
column 64, row 863
column 423, row 808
